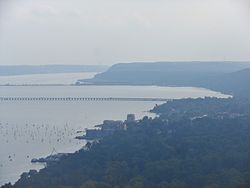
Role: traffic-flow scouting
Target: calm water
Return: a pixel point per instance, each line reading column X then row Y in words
column 60, row 78
column 32, row 129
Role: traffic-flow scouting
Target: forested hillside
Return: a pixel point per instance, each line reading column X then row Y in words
column 227, row 77
column 235, row 83
column 198, row 150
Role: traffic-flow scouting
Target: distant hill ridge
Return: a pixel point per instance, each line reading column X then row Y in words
column 229, row 77
column 181, row 66
column 236, row 83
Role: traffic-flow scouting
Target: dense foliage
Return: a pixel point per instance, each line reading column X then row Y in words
column 207, row 152
column 213, row 107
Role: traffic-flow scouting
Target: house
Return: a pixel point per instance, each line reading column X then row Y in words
column 108, row 127
column 130, row 118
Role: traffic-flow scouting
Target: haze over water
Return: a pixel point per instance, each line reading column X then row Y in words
column 31, row 129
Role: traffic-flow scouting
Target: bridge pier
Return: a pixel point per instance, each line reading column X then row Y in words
column 81, row 99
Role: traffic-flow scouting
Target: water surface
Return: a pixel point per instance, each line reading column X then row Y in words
column 42, row 79
column 31, row 129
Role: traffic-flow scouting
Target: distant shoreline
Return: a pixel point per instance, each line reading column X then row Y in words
column 21, row 70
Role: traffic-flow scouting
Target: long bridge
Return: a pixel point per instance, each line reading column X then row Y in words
column 81, row 99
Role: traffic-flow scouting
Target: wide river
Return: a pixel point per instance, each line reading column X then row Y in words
column 31, row 129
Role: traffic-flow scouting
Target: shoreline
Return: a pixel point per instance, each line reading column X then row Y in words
column 127, row 85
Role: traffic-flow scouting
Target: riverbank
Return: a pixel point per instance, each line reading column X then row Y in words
column 172, row 149
column 34, row 128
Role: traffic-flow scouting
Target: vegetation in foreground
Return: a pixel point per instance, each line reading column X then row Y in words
column 186, row 146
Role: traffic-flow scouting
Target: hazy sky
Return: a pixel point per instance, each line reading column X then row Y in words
column 112, row 31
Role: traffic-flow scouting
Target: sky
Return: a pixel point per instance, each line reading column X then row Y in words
column 115, row 31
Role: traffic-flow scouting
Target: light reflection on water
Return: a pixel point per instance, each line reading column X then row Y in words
column 31, row 129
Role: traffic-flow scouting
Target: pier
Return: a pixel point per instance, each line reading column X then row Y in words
column 80, row 99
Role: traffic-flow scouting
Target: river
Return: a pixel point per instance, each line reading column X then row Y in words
column 32, row 129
